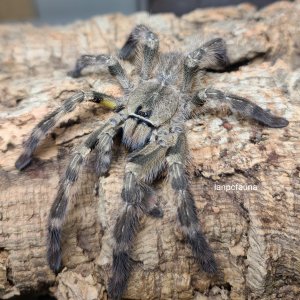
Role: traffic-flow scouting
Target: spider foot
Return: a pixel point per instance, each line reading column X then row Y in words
column 202, row 252
column 54, row 249
column 209, row 265
column 23, row 161
column 54, row 261
column 122, row 265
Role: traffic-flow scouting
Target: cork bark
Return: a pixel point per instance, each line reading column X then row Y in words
column 254, row 234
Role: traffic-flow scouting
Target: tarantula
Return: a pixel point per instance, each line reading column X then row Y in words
column 151, row 118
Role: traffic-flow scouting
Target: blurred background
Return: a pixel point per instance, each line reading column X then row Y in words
column 56, row 12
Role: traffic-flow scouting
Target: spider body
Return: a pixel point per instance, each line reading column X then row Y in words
column 151, row 116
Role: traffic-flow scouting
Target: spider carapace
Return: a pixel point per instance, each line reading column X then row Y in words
column 151, row 116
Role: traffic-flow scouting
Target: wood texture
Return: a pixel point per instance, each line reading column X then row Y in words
column 254, row 234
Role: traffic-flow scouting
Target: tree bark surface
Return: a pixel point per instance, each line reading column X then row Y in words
column 254, row 234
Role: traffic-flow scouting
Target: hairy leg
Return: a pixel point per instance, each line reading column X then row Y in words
column 215, row 98
column 60, row 204
column 211, row 55
column 108, row 61
column 45, row 125
column 186, row 210
column 103, row 152
column 142, row 36
column 139, row 198
column 124, row 232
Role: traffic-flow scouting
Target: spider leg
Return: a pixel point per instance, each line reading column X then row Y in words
column 60, row 204
column 213, row 98
column 138, row 197
column 210, row 55
column 50, row 120
column 186, row 210
column 112, row 63
column 125, row 229
column 103, row 151
column 141, row 34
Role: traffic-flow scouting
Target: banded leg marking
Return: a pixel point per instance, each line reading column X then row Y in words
column 124, row 232
column 45, row 125
column 211, row 55
column 60, row 204
column 113, row 65
column 142, row 35
column 187, row 214
column 142, row 168
column 213, row 98
column 103, row 151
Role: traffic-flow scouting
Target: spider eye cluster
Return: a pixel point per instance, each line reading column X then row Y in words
column 140, row 112
column 201, row 101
